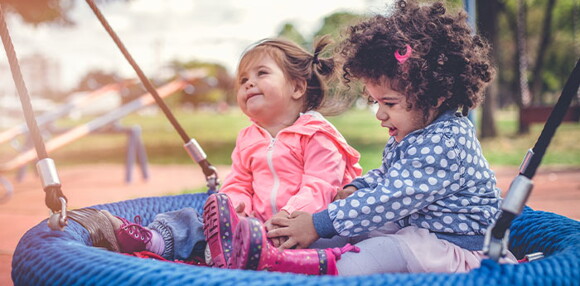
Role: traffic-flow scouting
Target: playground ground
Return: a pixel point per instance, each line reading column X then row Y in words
column 555, row 190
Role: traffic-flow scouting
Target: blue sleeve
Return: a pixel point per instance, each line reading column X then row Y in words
column 370, row 179
column 323, row 224
column 428, row 170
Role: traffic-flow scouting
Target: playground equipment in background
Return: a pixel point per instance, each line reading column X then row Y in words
column 539, row 114
column 47, row 119
column 104, row 123
column 63, row 110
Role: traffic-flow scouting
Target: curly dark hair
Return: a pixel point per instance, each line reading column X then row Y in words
column 447, row 59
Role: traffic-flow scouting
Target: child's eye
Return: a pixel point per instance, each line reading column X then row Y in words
column 389, row 104
column 371, row 101
column 243, row 80
column 262, row 72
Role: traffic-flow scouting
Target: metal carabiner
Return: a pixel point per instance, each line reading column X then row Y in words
column 495, row 248
column 212, row 181
column 58, row 220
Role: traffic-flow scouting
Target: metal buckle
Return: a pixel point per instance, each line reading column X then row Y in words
column 58, row 220
column 212, row 181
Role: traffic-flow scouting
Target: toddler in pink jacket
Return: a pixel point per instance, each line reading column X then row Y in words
column 291, row 158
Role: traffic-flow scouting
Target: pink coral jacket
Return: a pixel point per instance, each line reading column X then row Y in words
column 300, row 168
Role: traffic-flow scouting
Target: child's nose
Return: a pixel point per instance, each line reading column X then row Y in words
column 381, row 115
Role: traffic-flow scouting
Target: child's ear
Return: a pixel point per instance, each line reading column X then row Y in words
column 299, row 89
column 440, row 101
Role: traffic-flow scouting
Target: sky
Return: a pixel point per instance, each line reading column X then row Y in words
column 157, row 32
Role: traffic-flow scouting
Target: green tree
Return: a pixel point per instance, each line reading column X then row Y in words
column 95, row 79
column 290, row 32
column 43, row 11
column 335, row 23
column 547, row 49
column 487, row 11
column 217, row 86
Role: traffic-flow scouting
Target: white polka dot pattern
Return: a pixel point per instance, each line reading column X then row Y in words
column 435, row 178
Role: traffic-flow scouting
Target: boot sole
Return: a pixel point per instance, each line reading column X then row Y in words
column 247, row 245
column 218, row 228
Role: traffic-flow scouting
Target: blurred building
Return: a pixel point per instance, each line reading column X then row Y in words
column 42, row 78
column 41, row 75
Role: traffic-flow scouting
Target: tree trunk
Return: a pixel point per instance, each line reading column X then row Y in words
column 544, row 43
column 524, row 99
column 487, row 12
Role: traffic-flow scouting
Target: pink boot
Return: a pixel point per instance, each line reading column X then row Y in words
column 251, row 250
column 219, row 222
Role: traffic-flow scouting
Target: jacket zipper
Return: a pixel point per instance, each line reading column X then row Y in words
column 274, row 193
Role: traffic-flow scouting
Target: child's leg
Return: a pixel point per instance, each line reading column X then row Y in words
column 182, row 233
column 377, row 255
column 173, row 235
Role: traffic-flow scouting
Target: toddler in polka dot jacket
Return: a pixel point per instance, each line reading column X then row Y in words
column 428, row 205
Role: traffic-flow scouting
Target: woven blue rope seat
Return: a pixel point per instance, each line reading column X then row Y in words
column 45, row 257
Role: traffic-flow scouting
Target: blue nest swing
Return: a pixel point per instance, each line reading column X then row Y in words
column 48, row 257
column 67, row 256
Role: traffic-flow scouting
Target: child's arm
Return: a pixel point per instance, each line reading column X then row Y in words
column 429, row 171
column 372, row 177
column 343, row 193
column 238, row 184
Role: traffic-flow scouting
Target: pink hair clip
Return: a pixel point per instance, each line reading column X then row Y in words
column 403, row 58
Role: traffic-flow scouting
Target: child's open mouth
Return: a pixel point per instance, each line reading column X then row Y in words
column 392, row 131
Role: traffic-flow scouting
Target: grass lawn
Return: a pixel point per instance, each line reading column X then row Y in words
column 217, row 132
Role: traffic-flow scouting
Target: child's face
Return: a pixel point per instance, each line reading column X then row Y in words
column 265, row 95
column 393, row 110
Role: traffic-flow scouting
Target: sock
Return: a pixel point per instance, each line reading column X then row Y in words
column 157, row 244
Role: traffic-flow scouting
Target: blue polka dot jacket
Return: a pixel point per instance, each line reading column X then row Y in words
column 436, row 178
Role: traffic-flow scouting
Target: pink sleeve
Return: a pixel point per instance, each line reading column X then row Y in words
column 238, row 183
column 324, row 169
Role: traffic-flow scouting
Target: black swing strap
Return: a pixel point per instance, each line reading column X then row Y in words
column 54, row 198
column 556, row 116
column 496, row 240
column 191, row 145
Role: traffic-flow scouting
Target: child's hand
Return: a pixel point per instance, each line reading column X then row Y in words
column 299, row 229
column 240, row 210
column 276, row 241
column 342, row 194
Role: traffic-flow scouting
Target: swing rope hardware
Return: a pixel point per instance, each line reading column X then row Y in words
column 54, row 198
column 497, row 235
column 191, row 146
